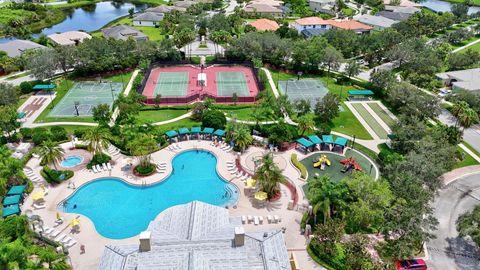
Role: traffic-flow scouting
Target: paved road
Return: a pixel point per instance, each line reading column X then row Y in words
column 448, row 251
column 470, row 135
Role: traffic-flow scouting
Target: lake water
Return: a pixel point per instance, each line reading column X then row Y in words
column 442, row 6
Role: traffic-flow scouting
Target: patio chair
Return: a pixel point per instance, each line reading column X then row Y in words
column 244, row 219
column 109, row 166
column 249, row 218
column 99, row 168
column 38, row 206
column 269, row 219
column 94, row 169
column 72, row 243
column 54, row 234
column 276, row 218
column 255, row 220
column 260, row 219
column 60, row 237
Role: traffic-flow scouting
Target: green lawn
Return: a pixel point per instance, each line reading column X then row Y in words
column 370, row 120
column 382, row 114
column 153, row 34
column 467, row 160
column 188, row 123
column 159, row 115
column 474, row 2
column 475, row 47
column 71, row 129
column 471, row 148
column 62, row 89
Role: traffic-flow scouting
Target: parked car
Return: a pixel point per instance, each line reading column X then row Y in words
column 411, row 264
column 444, row 92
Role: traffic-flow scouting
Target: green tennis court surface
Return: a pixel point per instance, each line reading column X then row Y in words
column 307, row 89
column 87, row 95
column 171, row 84
column 231, row 82
column 377, row 128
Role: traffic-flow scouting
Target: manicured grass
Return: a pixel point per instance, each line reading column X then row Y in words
column 18, row 76
column 188, row 123
column 159, row 115
column 471, row 148
column 467, row 160
column 382, row 114
column 475, row 47
column 348, row 124
column 370, row 120
column 465, row 42
column 71, row 129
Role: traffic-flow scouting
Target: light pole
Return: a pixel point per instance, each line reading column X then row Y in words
column 76, row 103
column 353, row 142
column 111, row 90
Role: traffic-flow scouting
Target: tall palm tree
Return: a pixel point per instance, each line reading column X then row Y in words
column 468, row 117
column 98, row 139
column 305, row 124
column 269, row 176
column 50, row 153
column 242, row 138
column 327, row 197
column 458, row 109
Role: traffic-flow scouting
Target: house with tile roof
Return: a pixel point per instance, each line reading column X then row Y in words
column 17, row 47
column 265, row 25
column 69, row 38
column 310, row 23
column 377, row 22
column 148, row 19
column 263, row 9
column 199, row 236
column 124, row 32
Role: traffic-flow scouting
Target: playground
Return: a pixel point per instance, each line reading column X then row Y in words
column 83, row 96
column 308, row 89
column 336, row 169
column 183, row 84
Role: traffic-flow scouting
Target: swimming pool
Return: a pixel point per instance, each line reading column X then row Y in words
column 71, row 161
column 120, row 210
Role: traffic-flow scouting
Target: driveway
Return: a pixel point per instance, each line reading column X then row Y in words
column 448, row 251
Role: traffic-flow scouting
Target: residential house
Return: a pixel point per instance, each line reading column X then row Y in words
column 310, row 23
column 17, row 47
column 468, row 79
column 324, row 6
column 407, row 10
column 199, row 236
column 69, row 38
column 265, row 25
column 352, row 25
column 402, row 3
column 148, row 19
column 396, row 16
column 124, row 32
column 263, row 9
column 377, row 22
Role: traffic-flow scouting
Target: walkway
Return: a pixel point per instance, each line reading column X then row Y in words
column 466, row 46
column 126, row 92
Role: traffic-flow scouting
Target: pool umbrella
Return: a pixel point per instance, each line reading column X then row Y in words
column 251, row 183
column 261, row 196
column 39, row 195
column 75, row 222
column 58, row 216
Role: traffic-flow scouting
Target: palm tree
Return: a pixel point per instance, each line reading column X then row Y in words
column 242, row 137
column 468, row 117
column 98, row 139
column 142, row 146
column 326, row 197
column 305, row 124
column 50, row 153
column 458, row 109
column 269, row 176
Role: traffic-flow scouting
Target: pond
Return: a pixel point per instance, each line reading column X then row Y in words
column 443, row 6
column 92, row 17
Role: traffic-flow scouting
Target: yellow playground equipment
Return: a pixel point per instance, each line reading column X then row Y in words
column 322, row 161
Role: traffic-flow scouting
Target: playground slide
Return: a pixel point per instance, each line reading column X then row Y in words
column 355, row 164
column 317, row 164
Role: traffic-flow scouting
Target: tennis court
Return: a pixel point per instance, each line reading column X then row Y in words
column 171, row 84
column 307, row 89
column 231, row 82
column 87, row 95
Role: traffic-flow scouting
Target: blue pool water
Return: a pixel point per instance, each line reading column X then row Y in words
column 71, row 161
column 120, row 210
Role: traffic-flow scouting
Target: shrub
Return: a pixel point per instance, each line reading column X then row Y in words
column 27, row 87
column 145, row 170
column 58, row 133
column 79, row 133
column 324, row 128
column 54, row 176
column 39, row 135
column 81, row 146
column 299, row 166
column 214, row 119
column 98, row 159
column 26, row 133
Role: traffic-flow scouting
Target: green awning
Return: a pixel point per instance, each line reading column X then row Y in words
column 315, row 139
column 11, row 210
column 196, row 130
column 341, row 141
column 15, row 199
column 184, row 131
column 360, row 92
column 207, row 130
column 16, row 190
column 306, row 143
column 44, row 87
column 327, row 138
column 171, row 133
column 219, row 132
column 21, row 115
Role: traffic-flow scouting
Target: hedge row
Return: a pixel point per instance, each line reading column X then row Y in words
column 54, row 176
column 299, row 166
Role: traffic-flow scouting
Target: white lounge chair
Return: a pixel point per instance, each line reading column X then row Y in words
column 47, row 230
column 234, row 172
column 72, row 243
column 94, row 169
column 260, row 218
column 234, row 168
column 99, row 168
column 66, row 240
column 54, row 234
column 109, row 166
column 230, row 162
column 38, row 206
column 178, row 146
column 244, row 219
column 276, row 218
column 249, row 218
column 60, row 237
column 255, row 220
column 269, row 219
column 245, row 177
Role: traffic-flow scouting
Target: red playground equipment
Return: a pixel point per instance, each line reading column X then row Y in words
column 350, row 164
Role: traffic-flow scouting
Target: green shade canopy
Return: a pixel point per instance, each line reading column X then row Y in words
column 171, row 133
column 207, row 130
column 327, row 138
column 15, row 199
column 341, row 141
column 16, row 190
column 11, row 210
column 315, row 139
column 219, row 132
column 195, row 130
column 44, row 87
column 360, row 93
column 184, row 131
column 21, row 115
column 306, row 143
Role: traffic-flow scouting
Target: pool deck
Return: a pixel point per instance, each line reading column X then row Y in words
column 94, row 243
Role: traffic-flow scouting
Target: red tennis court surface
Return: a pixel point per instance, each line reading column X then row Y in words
column 156, row 84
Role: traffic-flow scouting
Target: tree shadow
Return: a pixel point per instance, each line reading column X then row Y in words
column 464, row 252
